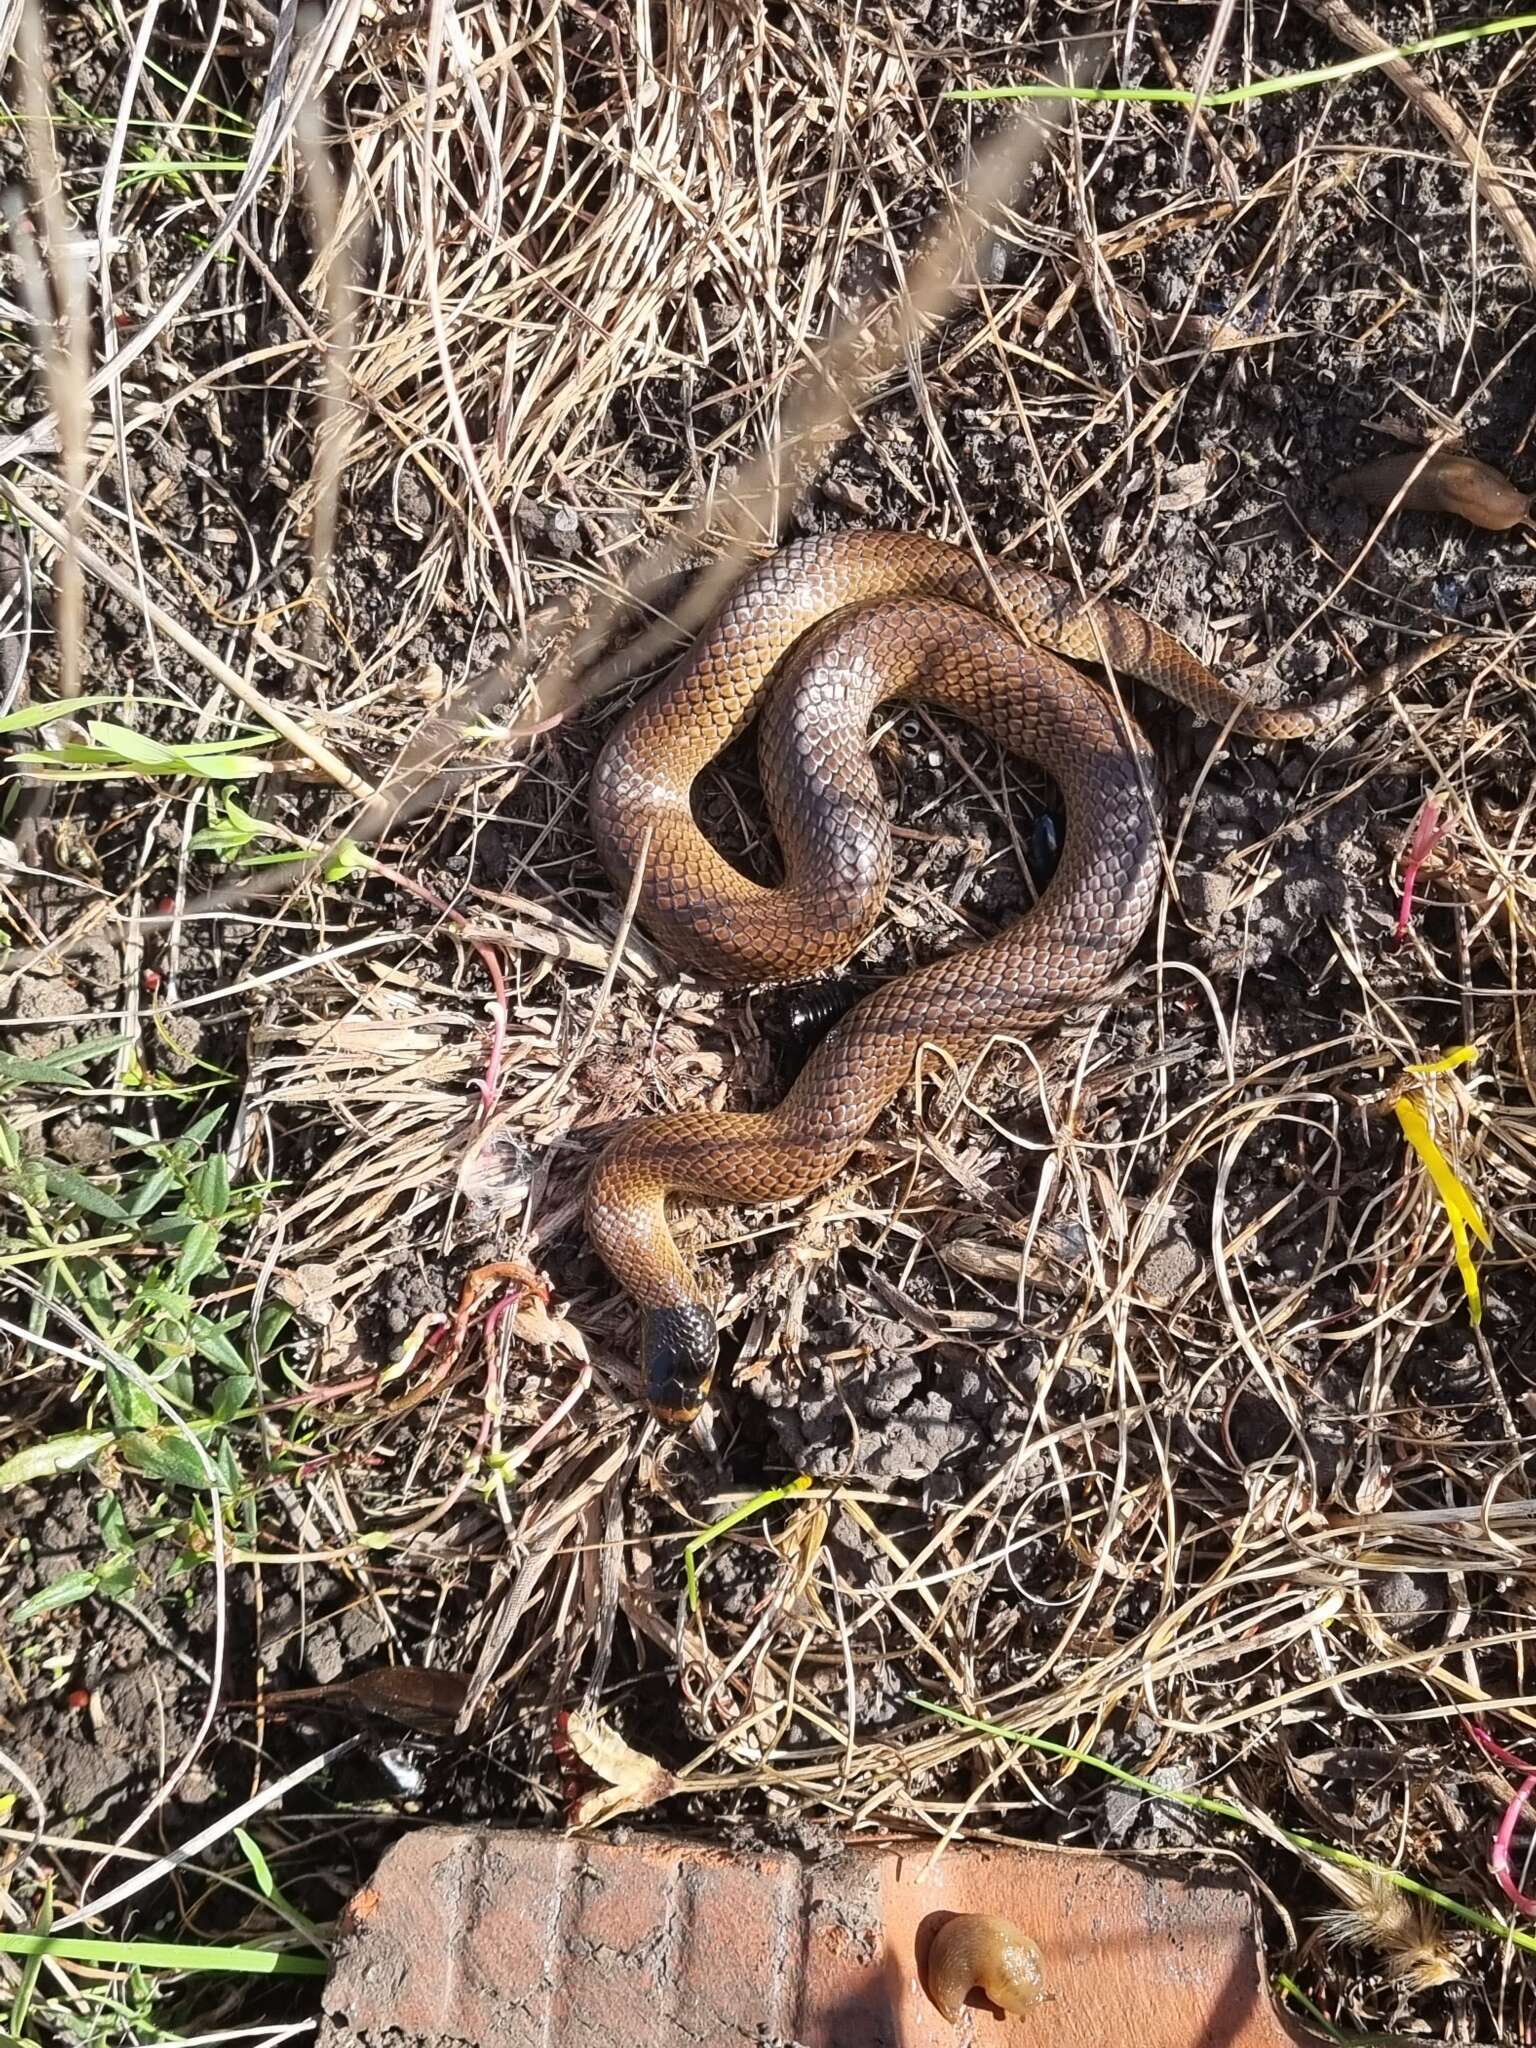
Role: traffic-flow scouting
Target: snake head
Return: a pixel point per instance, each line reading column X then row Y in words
column 678, row 1348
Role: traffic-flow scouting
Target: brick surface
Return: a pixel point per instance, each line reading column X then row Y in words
column 507, row 1939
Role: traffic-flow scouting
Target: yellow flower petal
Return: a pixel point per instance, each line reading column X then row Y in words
column 1458, row 1056
column 1460, row 1207
column 1452, row 1190
column 1467, row 1270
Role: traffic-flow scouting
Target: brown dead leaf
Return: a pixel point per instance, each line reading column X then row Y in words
column 534, row 1323
column 799, row 1543
column 629, row 1780
column 308, row 1290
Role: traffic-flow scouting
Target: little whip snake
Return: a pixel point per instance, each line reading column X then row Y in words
column 869, row 616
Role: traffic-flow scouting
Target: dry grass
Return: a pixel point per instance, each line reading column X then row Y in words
column 577, row 297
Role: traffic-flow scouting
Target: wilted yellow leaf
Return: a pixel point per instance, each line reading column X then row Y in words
column 1458, row 1056
column 1461, row 1208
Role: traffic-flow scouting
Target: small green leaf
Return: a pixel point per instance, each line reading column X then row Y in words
column 210, row 1186
column 30, row 1971
column 217, row 763
column 75, row 754
column 132, row 746
column 260, row 1869
column 154, row 1189
column 65, row 1185
column 241, row 819
column 131, row 1406
column 189, row 757
column 233, row 1396
column 164, row 1454
column 60, row 1069
column 34, row 715
column 347, row 859
column 105, row 1582
column 198, row 1255
column 196, row 755
column 167, row 1229
column 222, row 768
column 275, row 1318
column 119, row 1575
column 213, row 1342
column 68, row 1591
column 227, row 1465
column 48, row 1460
column 112, row 1523
column 138, row 1141
column 204, row 1127
column 167, row 1334
column 230, row 834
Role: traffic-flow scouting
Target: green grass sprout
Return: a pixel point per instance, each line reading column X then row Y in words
column 1240, row 95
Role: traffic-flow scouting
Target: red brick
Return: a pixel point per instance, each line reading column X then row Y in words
column 507, row 1939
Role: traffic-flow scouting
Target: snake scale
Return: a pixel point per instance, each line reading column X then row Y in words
column 811, row 641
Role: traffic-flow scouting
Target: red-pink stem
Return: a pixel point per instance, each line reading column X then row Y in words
column 498, row 1310
column 1499, row 1858
column 1427, row 834
column 1498, row 1862
column 490, row 1080
column 1496, row 1750
column 553, row 1420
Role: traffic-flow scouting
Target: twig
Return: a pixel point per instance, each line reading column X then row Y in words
column 1215, row 42
column 1356, row 34
column 339, row 275
column 489, row 1085
column 64, row 350
column 1198, row 124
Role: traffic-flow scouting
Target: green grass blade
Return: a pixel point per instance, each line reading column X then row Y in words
column 1240, row 95
column 163, row 1955
column 767, row 1499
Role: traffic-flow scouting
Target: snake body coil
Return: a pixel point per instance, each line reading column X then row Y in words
column 867, row 617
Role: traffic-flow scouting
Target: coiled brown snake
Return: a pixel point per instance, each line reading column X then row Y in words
column 855, row 619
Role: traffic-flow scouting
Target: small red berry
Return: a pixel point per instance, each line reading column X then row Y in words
column 79, row 1699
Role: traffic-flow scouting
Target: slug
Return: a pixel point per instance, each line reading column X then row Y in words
column 1447, row 483
column 982, row 1949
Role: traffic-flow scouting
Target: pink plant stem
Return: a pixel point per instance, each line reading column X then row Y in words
column 505, row 1307
column 1499, row 1857
column 551, row 1421
column 1496, row 1750
column 1427, row 834
column 1498, row 1862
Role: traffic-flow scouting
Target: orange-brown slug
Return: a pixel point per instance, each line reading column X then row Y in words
column 982, row 1950
column 1458, row 484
